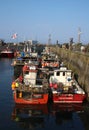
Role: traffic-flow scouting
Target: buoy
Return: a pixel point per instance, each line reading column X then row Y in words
column 16, row 84
column 13, row 85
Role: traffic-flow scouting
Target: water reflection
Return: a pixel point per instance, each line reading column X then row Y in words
column 65, row 112
column 47, row 116
column 67, row 107
column 30, row 116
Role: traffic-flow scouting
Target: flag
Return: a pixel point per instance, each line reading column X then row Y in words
column 14, row 36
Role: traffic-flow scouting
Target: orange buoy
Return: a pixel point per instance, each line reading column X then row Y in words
column 13, row 85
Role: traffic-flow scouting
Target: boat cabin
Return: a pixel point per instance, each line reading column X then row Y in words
column 30, row 75
column 62, row 75
column 34, row 77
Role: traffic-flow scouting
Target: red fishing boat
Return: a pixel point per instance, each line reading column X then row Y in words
column 65, row 88
column 50, row 60
column 7, row 53
column 31, row 87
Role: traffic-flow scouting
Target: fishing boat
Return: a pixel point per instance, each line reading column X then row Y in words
column 22, row 57
column 65, row 88
column 7, row 53
column 50, row 63
column 50, row 60
column 31, row 87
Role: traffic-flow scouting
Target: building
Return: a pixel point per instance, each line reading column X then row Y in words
column 32, row 42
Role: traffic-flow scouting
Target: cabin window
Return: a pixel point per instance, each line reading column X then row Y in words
column 58, row 73
column 63, row 73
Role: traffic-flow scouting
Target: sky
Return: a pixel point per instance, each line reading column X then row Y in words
column 43, row 19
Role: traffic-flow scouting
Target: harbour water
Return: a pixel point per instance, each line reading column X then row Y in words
column 58, row 117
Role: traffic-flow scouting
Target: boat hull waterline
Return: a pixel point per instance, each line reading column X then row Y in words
column 7, row 54
column 29, row 101
column 69, row 98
